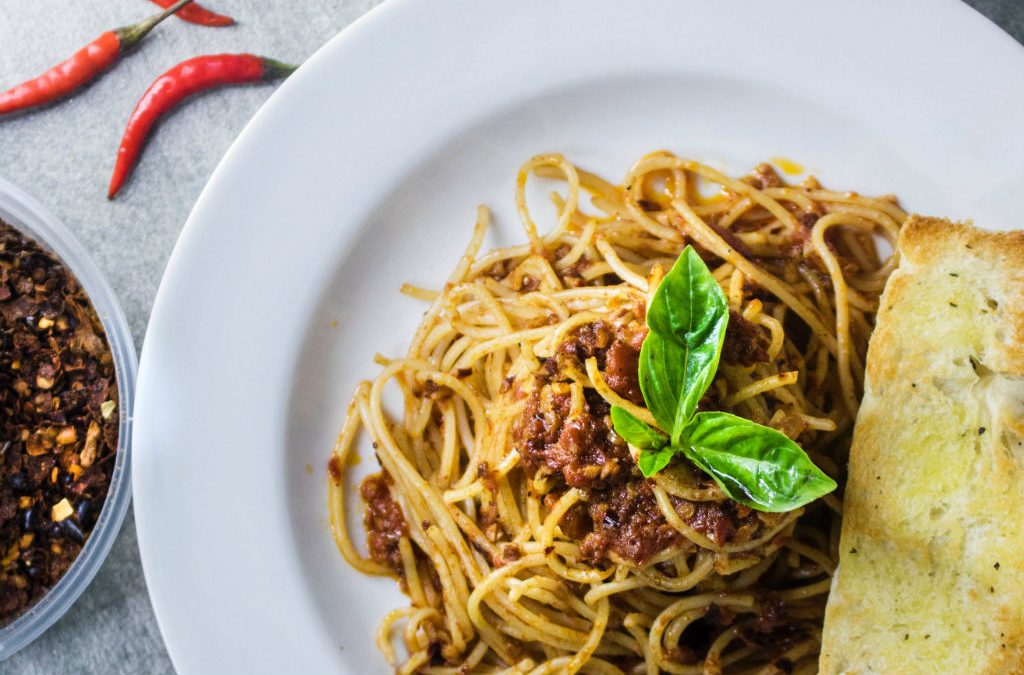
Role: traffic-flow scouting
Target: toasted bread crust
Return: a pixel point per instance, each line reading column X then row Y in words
column 931, row 567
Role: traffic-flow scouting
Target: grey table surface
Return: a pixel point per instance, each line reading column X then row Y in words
column 64, row 155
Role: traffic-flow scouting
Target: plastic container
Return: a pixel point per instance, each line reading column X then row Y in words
column 26, row 214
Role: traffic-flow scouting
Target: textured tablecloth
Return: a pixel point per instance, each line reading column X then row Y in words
column 64, row 155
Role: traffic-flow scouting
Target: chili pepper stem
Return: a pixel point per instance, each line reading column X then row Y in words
column 133, row 34
column 275, row 70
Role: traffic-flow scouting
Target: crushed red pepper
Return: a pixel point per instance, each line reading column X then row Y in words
column 58, row 421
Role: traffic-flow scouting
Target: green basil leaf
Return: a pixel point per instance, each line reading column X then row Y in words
column 687, row 318
column 635, row 431
column 753, row 464
column 653, row 461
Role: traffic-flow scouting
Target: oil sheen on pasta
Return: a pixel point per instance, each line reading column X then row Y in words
column 517, row 521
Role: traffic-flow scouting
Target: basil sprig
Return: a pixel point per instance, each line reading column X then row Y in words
column 679, row 357
column 754, row 465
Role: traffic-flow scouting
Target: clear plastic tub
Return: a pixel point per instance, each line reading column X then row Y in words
column 25, row 213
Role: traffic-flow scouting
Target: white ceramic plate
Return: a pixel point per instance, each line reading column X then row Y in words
column 364, row 170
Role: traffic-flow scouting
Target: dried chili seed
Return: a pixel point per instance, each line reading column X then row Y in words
column 58, row 421
column 72, row 531
column 29, row 519
column 83, row 513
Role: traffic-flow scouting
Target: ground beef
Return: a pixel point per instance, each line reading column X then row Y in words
column 619, row 514
column 622, row 368
column 745, row 342
column 763, row 176
column 626, row 520
column 539, row 427
column 713, row 521
column 383, row 519
column 335, row 470
column 510, row 553
column 722, row 522
column 583, row 449
column 591, row 339
column 617, row 350
column 586, row 452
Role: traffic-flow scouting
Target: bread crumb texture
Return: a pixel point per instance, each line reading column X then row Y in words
column 931, row 570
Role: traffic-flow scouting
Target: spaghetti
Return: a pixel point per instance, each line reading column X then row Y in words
column 517, row 520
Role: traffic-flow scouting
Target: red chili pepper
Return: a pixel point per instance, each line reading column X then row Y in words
column 199, row 15
column 83, row 67
column 187, row 78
